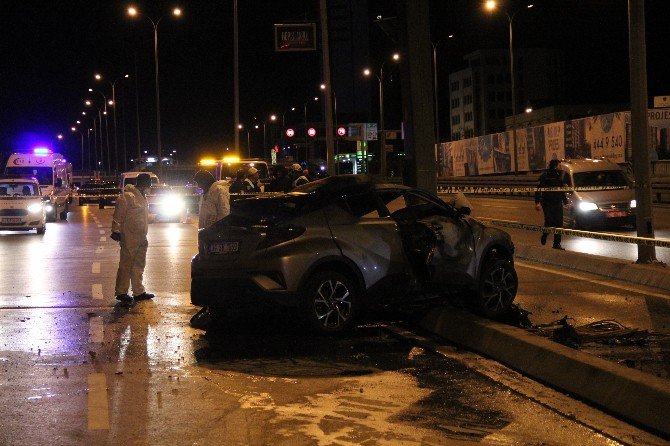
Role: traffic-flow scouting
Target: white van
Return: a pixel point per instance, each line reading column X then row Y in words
column 131, row 178
column 53, row 173
column 22, row 206
column 613, row 206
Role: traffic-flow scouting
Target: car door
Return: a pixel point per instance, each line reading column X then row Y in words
column 438, row 241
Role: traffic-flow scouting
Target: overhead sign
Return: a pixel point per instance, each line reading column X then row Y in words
column 311, row 131
column 370, row 131
column 661, row 101
column 295, row 37
column 290, row 133
column 659, row 118
column 362, row 131
column 341, row 131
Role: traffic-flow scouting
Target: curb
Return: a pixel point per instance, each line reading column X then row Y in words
column 627, row 393
column 649, row 275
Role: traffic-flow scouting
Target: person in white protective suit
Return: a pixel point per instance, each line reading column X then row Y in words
column 130, row 225
column 215, row 201
column 214, row 205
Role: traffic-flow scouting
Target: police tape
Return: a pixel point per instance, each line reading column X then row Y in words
column 507, row 190
column 606, row 236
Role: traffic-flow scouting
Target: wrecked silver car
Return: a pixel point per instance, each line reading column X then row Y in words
column 337, row 246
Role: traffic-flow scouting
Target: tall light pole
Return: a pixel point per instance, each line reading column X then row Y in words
column 113, row 104
column 435, row 98
column 81, row 135
column 382, row 135
column 241, row 127
column 337, row 140
column 177, row 12
column 236, row 76
column 492, row 5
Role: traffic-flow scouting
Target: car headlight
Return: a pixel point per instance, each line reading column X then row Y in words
column 586, row 206
column 171, row 205
column 48, row 208
column 633, row 203
column 35, row 208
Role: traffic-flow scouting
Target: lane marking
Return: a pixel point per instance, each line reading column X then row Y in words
column 102, row 232
column 102, row 239
column 96, row 333
column 95, row 268
column 100, row 226
column 96, row 291
column 99, row 249
column 98, row 409
column 618, row 286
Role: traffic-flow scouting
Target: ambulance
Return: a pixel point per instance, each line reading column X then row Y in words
column 52, row 172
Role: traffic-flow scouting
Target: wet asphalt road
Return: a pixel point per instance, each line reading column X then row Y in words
column 523, row 211
column 75, row 368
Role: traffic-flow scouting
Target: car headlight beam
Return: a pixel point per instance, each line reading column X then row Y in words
column 586, row 206
column 35, row 208
column 171, row 205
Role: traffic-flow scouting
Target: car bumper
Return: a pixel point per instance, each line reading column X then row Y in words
column 24, row 225
column 600, row 218
column 238, row 292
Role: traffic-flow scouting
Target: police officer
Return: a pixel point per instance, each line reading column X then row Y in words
column 251, row 183
column 551, row 203
column 130, row 225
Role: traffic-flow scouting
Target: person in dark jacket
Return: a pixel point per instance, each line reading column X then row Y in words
column 252, row 184
column 551, row 203
column 238, row 185
column 279, row 181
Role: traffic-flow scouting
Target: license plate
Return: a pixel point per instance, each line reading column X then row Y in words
column 616, row 214
column 223, row 247
column 12, row 220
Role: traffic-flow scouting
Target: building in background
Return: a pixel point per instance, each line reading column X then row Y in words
column 480, row 95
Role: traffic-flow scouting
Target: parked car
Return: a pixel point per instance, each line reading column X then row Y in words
column 22, row 205
column 98, row 191
column 335, row 246
column 586, row 209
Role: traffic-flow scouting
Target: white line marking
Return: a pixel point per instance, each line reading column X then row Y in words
column 99, row 249
column 102, row 239
column 618, row 286
column 100, row 226
column 95, row 330
column 98, row 409
column 95, row 268
column 102, row 232
column 96, row 291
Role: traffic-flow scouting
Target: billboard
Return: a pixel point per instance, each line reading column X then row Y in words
column 295, row 37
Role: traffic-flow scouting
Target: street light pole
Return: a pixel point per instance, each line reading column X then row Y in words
column 435, row 99
column 176, row 12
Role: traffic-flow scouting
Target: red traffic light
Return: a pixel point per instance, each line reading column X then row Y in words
column 311, row 131
column 276, row 149
column 341, row 131
column 290, row 133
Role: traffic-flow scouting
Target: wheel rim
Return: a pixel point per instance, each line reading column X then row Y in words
column 332, row 303
column 499, row 289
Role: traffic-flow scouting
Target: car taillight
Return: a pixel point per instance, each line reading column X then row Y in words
column 279, row 234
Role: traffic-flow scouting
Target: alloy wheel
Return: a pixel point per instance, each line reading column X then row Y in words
column 332, row 303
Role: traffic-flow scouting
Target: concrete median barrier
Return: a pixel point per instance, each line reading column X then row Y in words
column 633, row 395
column 655, row 276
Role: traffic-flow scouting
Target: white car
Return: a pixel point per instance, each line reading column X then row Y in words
column 22, row 205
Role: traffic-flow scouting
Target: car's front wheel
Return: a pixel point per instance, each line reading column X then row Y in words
column 330, row 302
column 497, row 289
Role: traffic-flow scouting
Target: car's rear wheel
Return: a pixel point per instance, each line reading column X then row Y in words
column 330, row 302
column 498, row 285
column 63, row 215
column 40, row 231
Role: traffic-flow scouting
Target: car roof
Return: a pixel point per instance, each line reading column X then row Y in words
column 588, row 165
column 18, row 180
column 134, row 174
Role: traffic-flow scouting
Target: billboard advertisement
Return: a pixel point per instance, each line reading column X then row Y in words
column 295, row 37
column 605, row 136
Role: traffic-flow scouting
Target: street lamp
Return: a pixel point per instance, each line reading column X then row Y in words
column 337, row 140
column 241, row 127
column 112, row 102
column 316, row 98
column 382, row 137
column 492, row 5
column 177, row 12
column 104, row 112
column 81, row 135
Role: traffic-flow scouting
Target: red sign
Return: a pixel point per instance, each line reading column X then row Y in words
column 341, row 131
column 290, row 133
column 295, row 37
column 311, row 131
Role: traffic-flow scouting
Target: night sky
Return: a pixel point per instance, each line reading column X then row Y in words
column 50, row 50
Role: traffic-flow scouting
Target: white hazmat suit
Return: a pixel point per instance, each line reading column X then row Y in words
column 215, row 204
column 131, row 220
